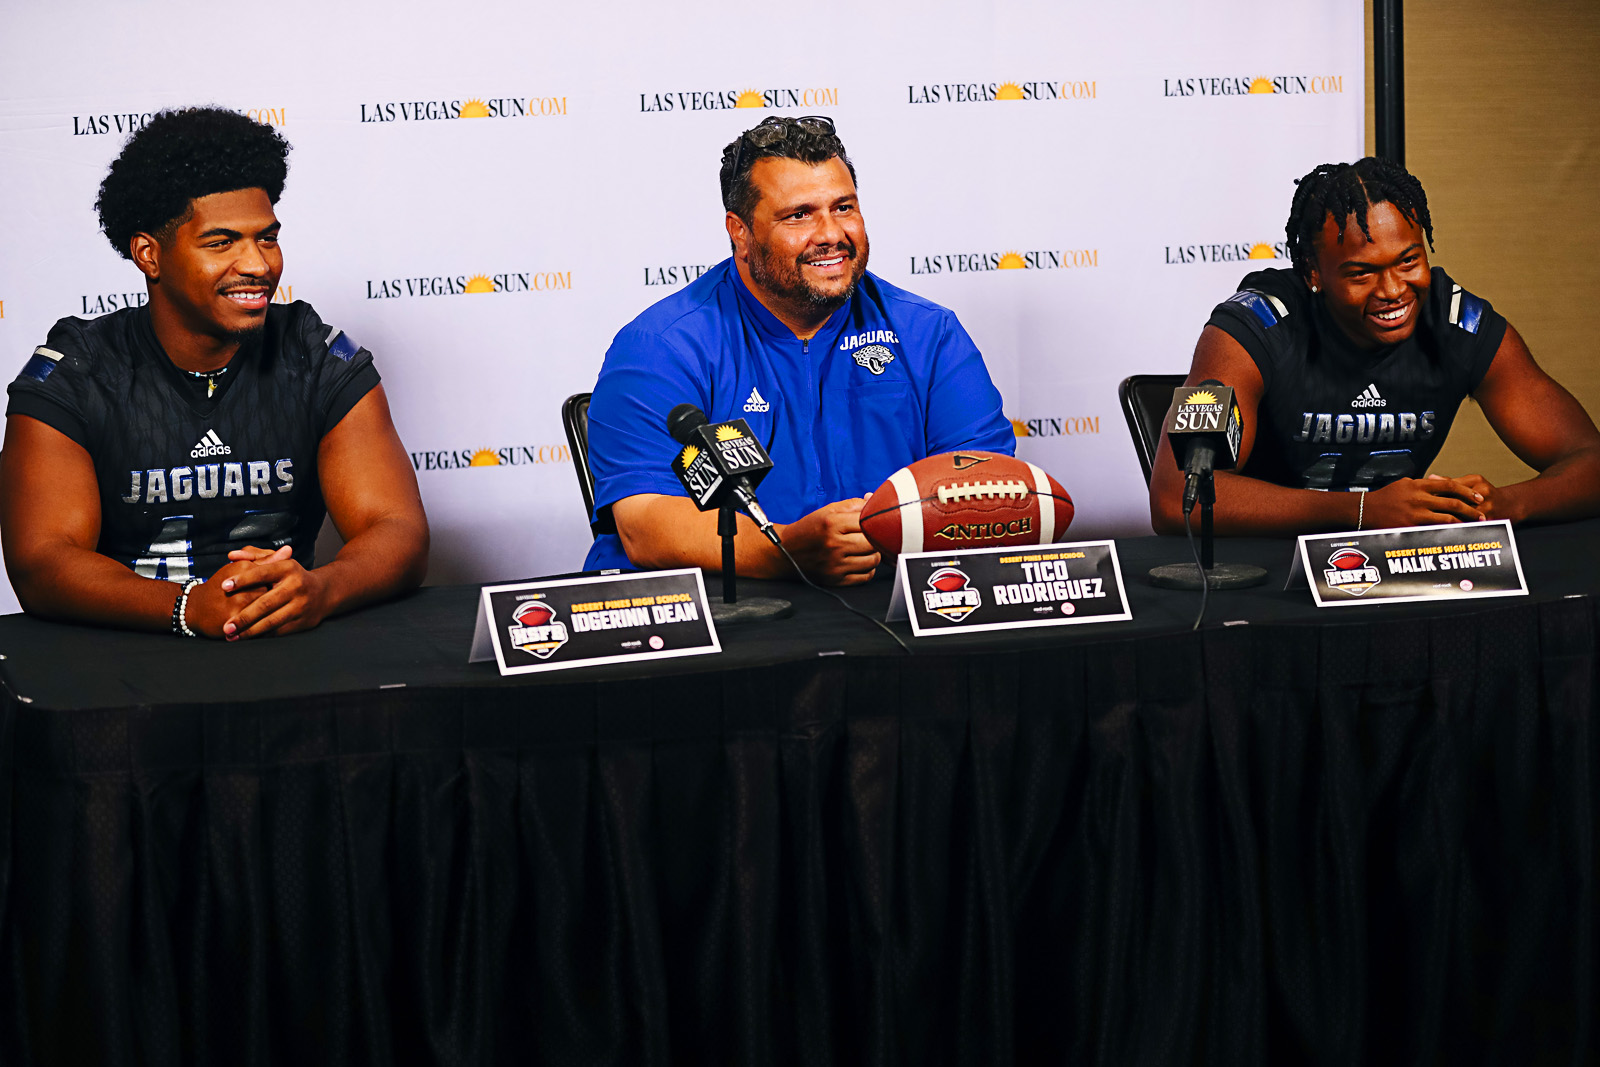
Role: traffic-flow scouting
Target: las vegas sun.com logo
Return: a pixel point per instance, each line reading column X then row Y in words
column 455, row 459
column 677, row 100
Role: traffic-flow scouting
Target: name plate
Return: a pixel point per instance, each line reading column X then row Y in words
column 576, row 622
column 1003, row 588
column 1460, row 560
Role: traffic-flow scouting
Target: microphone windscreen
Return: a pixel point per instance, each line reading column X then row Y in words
column 683, row 420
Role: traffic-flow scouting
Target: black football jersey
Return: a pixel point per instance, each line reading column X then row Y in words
column 185, row 477
column 1334, row 416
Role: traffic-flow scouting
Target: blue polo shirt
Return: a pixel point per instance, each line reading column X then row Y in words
column 889, row 379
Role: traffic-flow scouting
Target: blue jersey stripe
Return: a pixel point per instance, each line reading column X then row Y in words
column 1262, row 309
column 38, row 367
column 342, row 347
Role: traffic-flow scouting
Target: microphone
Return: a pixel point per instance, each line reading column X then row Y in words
column 1204, row 428
column 720, row 459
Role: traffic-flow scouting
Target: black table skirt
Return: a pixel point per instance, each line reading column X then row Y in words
column 1322, row 838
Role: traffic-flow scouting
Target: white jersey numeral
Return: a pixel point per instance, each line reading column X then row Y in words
column 170, row 554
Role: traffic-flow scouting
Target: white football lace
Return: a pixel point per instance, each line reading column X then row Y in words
column 968, row 490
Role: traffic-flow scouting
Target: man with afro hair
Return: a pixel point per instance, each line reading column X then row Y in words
column 1349, row 368
column 167, row 467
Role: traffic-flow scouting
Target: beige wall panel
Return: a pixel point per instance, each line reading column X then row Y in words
column 1503, row 129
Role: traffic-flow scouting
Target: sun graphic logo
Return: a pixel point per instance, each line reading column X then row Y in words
column 728, row 433
column 1202, row 396
column 751, row 98
column 1020, row 428
column 690, row 454
column 1008, row 91
column 1262, row 85
column 474, row 109
column 485, row 457
column 1262, row 251
column 479, row 283
column 1011, row 261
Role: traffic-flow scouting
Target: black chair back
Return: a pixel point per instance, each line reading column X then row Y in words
column 1145, row 400
column 575, row 420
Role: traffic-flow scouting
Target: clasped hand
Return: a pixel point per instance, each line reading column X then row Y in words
column 1430, row 501
column 258, row 592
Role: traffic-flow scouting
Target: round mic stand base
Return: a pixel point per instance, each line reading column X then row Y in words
column 1220, row 576
column 733, row 609
column 750, row 609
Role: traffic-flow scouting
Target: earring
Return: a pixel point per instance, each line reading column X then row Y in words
column 1314, row 289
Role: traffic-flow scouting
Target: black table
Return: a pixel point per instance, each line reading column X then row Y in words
column 1354, row 836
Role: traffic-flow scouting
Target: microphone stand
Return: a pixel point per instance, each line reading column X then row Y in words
column 1217, row 575
column 727, row 526
column 732, row 609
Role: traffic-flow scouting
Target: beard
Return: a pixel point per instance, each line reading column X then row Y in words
column 786, row 279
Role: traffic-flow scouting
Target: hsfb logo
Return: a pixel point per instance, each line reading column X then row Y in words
column 536, row 630
column 950, row 594
column 1351, row 571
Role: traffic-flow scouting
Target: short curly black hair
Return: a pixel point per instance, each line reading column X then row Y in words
column 182, row 155
column 798, row 139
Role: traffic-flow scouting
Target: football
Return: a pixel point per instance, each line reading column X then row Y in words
column 966, row 500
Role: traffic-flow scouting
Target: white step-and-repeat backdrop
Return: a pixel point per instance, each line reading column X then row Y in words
column 484, row 195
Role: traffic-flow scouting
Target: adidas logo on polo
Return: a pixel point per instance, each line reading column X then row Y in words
column 210, row 445
column 1369, row 398
column 755, row 403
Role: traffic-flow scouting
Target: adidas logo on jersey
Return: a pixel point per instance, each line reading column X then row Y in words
column 210, row 445
column 756, row 403
column 1369, row 398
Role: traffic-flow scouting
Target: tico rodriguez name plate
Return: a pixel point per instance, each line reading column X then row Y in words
column 1003, row 588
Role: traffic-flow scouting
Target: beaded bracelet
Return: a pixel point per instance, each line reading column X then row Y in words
column 1361, row 510
column 180, row 625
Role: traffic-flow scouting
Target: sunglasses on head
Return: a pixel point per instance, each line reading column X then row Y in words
column 769, row 131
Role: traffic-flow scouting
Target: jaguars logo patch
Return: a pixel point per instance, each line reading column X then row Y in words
column 874, row 358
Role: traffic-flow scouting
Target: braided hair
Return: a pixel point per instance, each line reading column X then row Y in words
column 1345, row 189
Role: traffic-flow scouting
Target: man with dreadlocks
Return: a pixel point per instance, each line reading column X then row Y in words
column 1350, row 367
column 168, row 466
column 847, row 377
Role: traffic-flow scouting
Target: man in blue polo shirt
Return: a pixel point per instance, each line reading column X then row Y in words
column 846, row 377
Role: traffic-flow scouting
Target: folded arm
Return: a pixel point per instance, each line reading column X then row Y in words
column 1249, row 506
column 1548, row 430
column 50, row 518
